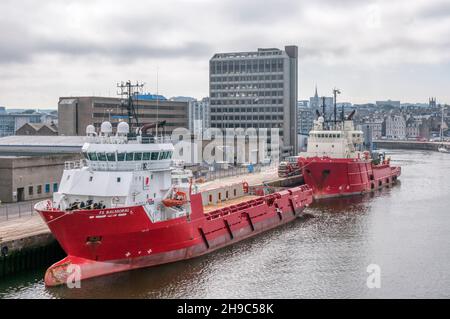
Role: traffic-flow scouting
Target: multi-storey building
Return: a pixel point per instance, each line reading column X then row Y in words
column 394, row 127
column 11, row 122
column 305, row 120
column 376, row 128
column 199, row 116
column 75, row 113
column 258, row 90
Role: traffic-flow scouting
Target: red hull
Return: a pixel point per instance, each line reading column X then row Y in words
column 331, row 177
column 102, row 242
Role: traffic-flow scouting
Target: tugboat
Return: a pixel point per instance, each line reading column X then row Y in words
column 120, row 208
column 336, row 164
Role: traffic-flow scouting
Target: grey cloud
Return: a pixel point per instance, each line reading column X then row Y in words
column 257, row 11
column 25, row 48
column 436, row 11
column 319, row 51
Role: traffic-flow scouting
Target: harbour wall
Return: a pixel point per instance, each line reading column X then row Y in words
column 409, row 145
column 29, row 253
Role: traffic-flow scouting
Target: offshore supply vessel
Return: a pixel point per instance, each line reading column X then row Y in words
column 120, row 208
column 336, row 164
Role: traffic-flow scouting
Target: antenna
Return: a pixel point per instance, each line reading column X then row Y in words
column 157, row 99
column 129, row 91
column 323, row 108
column 335, row 92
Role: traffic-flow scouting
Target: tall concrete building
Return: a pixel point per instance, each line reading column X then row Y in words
column 256, row 89
column 199, row 116
column 75, row 113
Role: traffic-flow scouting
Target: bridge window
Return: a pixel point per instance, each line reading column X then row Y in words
column 120, row 157
column 164, row 155
column 129, row 156
column 155, row 156
column 146, row 156
column 111, row 157
column 101, row 157
column 92, row 156
column 138, row 156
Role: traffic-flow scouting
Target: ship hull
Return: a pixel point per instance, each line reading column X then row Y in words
column 102, row 242
column 331, row 177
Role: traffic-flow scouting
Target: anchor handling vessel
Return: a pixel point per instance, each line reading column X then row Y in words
column 335, row 163
column 120, row 208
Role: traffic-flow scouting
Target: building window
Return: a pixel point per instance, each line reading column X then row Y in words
column 55, row 187
column 30, row 190
column 39, row 189
column 47, row 188
column 118, row 179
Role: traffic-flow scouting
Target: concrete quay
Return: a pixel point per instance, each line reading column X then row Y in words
column 409, row 145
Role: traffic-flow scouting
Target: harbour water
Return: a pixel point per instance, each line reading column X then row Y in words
column 405, row 230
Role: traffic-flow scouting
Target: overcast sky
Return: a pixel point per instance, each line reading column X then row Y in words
column 381, row 49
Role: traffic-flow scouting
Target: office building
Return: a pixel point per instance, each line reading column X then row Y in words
column 256, row 90
column 199, row 116
column 76, row 113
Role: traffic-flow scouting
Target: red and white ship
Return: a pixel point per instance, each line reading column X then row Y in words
column 336, row 165
column 119, row 209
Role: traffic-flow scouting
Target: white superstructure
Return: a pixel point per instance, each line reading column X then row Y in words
column 343, row 141
column 116, row 172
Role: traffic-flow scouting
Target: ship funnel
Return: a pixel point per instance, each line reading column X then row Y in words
column 106, row 128
column 123, row 129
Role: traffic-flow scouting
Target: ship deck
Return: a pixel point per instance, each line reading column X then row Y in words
column 209, row 208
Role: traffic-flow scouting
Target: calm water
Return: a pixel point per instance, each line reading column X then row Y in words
column 405, row 230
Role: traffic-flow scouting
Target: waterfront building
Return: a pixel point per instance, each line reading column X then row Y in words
column 75, row 113
column 394, row 127
column 418, row 127
column 256, row 90
column 376, row 128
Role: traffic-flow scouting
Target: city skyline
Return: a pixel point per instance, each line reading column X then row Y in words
column 373, row 51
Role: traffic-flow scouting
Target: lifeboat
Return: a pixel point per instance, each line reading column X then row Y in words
column 178, row 200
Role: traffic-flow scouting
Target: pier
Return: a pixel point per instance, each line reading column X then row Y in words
column 25, row 244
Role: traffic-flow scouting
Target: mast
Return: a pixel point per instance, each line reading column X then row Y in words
column 323, row 110
column 157, row 105
column 129, row 91
column 335, row 92
column 442, row 123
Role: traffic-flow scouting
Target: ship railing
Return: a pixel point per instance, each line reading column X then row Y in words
column 68, row 165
